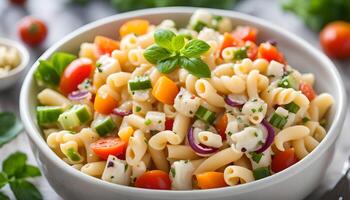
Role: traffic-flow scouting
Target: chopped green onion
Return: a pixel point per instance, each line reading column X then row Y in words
column 104, row 126
column 256, row 157
column 305, row 119
column 173, row 172
column 140, row 83
column 261, row 172
column 75, row 117
column 278, row 121
column 199, row 26
column 47, row 115
column 205, row 115
column 292, row 107
column 240, row 53
column 288, row 82
column 148, row 122
column 72, row 154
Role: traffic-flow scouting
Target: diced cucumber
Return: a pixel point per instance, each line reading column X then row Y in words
column 72, row 154
column 104, row 126
column 261, row 172
column 288, row 82
column 75, row 117
column 140, row 83
column 292, row 107
column 48, row 115
column 278, row 121
column 205, row 115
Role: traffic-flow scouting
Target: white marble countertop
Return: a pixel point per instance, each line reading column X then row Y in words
column 62, row 18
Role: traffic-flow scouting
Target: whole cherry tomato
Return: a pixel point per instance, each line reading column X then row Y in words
column 335, row 39
column 32, row 30
column 155, row 179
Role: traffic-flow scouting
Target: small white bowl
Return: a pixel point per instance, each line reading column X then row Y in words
column 15, row 74
column 296, row 182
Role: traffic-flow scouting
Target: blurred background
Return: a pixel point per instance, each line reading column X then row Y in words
column 305, row 18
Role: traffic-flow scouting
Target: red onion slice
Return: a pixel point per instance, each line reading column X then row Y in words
column 122, row 113
column 270, row 137
column 79, row 95
column 198, row 148
column 235, row 100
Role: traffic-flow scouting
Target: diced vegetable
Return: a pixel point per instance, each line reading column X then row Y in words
column 246, row 33
column 105, row 103
column 292, row 107
column 283, row 160
column 221, row 125
column 165, row 90
column 261, row 172
column 208, row 180
column 75, row 117
column 256, row 157
column 108, row 146
column 140, row 83
column 136, row 26
column 104, row 125
column 155, row 179
column 289, row 82
column 125, row 133
column 105, row 44
column 60, row 60
column 270, row 52
column 205, row 115
column 169, row 124
column 307, row 90
column 48, row 115
column 278, row 121
column 230, row 40
column 73, row 155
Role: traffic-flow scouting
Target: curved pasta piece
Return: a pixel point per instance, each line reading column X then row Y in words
column 205, row 90
column 319, row 106
column 49, row 97
column 94, row 169
column 316, row 130
column 181, row 175
column 87, row 136
column 136, row 149
column 180, row 126
column 236, row 174
column 159, row 159
column 181, row 152
column 187, row 80
column 118, row 80
column 160, row 140
column 289, row 134
column 256, row 83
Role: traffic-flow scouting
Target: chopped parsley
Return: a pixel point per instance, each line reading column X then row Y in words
column 173, row 172
column 256, row 157
column 260, row 109
column 148, row 122
column 305, row 119
column 126, row 167
column 253, row 110
column 229, row 133
column 138, row 108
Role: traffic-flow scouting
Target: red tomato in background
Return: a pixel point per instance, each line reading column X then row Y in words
column 109, row 146
column 155, row 179
column 32, row 30
column 282, row 160
column 18, row 2
column 246, row 33
column 169, row 124
column 270, row 52
column 335, row 39
column 75, row 73
column 307, row 90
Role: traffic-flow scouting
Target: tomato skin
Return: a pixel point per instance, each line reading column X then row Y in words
column 32, row 30
column 246, row 33
column 252, row 50
column 18, row 2
column 155, row 179
column 230, row 41
column 282, row 160
column 108, row 146
column 169, row 124
column 75, row 73
column 307, row 90
column 221, row 125
column 335, row 39
column 270, row 52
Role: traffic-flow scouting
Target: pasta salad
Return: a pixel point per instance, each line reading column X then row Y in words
column 162, row 107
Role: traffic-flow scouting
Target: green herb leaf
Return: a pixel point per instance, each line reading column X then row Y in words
column 24, row 190
column 10, row 126
column 61, row 60
column 45, row 74
column 3, row 179
column 4, row 196
column 195, row 48
column 168, row 65
column 29, row 171
column 256, row 156
column 195, row 66
column 156, row 53
column 163, row 38
column 173, row 172
column 14, row 164
column 178, row 42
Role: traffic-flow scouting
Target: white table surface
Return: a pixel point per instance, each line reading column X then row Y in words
column 62, row 18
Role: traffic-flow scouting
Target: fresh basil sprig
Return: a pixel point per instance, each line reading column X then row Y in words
column 15, row 170
column 10, row 126
column 171, row 51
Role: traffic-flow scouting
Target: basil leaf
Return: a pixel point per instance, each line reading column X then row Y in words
column 196, row 67
column 163, row 38
column 156, row 53
column 4, row 196
column 178, row 42
column 10, row 126
column 168, row 65
column 3, row 179
column 24, row 190
column 195, row 48
column 14, row 164
column 61, row 60
column 45, row 74
column 28, row 171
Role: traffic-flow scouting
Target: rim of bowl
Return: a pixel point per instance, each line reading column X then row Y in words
column 331, row 135
column 24, row 54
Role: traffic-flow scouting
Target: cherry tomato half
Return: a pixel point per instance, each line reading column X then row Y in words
column 307, row 90
column 75, row 73
column 335, row 39
column 108, row 146
column 32, row 30
column 221, row 125
column 282, row 160
column 169, row 124
column 155, row 179
column 270, row 52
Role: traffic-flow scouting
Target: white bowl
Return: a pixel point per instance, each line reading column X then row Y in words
column 295, row 182
column 15, row 74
